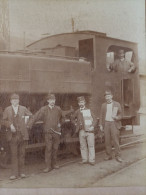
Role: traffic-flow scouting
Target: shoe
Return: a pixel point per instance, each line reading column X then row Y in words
column 108, row 158
column 92, row 163
column 47, row 170
column 22, row 175
column 55, row 167
column 83, row 162
column 119, row 159
column 12, row 177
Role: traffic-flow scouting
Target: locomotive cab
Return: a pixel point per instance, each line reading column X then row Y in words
column 126, row 71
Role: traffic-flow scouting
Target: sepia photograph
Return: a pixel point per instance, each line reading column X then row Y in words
column 73, row 97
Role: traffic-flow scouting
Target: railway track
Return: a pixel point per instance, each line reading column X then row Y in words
column 123, row 146
column 77, row 159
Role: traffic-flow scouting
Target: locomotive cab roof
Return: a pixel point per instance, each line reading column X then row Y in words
column 84, row 32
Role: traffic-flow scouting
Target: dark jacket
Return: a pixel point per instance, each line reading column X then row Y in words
column 50, row 117
column 103, row 114
column 8, row 119
column 122, row 66
column 80, row 121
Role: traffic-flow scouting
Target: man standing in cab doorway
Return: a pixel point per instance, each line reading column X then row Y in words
column 51, row 116
column 121, row 64
column 110, row 123
column 124, row 69
column 85, row 126
column 15, row 120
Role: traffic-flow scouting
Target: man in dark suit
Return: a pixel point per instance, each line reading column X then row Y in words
column 86, row 122
column 14, row 119
column 110, row 123
column 51, row 116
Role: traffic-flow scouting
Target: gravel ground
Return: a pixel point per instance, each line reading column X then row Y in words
column 74, row 175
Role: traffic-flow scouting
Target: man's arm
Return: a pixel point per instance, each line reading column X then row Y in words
column 5, row 120
column 74, row 116
column 27, row 112
column 64, row 113
column 132, row 67
column 119, row 114
column 37, row 116
column 94, row 123
column 101, row 118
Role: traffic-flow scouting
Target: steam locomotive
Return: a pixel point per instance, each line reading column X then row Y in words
column 69, row 65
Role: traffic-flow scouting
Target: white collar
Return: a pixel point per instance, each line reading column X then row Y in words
column 15, row 107
column 110, row 102
column 82, row 108
column 122, row 59
column 51, row 107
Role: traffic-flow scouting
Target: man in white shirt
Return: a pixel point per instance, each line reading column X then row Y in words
column 110, row 123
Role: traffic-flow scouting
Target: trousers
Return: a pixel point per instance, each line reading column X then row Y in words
column 52, row 141
column 111, row 135
column 17, row 148
column 87, row 148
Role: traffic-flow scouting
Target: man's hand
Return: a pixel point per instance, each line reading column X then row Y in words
column 13, row 130
column 91, row 128
column 130, row 70
column 115, row 117
column 101, row 128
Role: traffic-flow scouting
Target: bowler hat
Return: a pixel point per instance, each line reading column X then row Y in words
column 107, row 93
column 14, row 96
column 81, row 98
column 50, row 96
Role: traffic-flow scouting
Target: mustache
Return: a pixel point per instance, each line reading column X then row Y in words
column 109, row 101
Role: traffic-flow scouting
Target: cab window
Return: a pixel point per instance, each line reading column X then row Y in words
column 113, row 53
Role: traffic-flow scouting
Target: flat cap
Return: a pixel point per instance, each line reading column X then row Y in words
column 14, row 96
column 50, row 96
column 81, row 98
column 107, row 93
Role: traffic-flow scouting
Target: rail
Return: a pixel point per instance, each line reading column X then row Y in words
column 68, row 140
